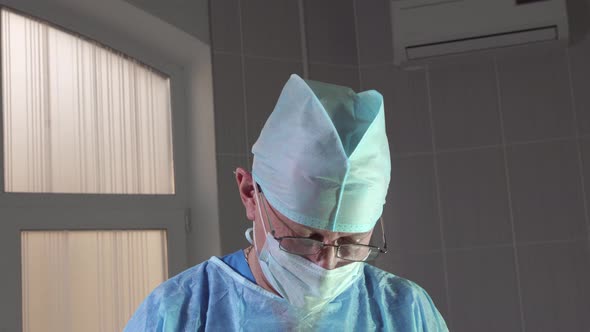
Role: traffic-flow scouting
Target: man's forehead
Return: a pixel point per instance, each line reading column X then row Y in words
column 311, row 230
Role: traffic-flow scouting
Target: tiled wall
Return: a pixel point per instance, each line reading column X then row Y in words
column 488, row 204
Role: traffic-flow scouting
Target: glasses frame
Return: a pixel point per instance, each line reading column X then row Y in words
column 373, row 254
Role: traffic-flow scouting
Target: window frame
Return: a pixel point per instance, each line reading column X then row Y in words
column 57, row 211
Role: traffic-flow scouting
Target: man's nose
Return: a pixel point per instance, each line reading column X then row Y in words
column 326, row 258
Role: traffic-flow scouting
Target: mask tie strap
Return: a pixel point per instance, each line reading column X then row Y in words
column 257, row 194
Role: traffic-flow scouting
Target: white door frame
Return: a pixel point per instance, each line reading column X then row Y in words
column 149, row 40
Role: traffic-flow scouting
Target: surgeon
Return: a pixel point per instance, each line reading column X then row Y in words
column 319, row 178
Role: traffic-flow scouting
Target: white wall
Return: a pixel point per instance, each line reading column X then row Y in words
column 204, row 238
column 191, row 16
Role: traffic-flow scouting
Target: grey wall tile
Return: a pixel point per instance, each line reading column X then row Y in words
column 408, row 125
column 411, row 213
column 380, row 78
column 335, row 74
column 232, row 215
column 474, row 198
column 391, row 262
column 535, row 95
column 426, row 270
column 554, row 280
column 230, row 131
column 271, row 28
column 225, row 25
column 579, row 20
column 330, row 30
column 264, row 82
column 585, row 151
column 580, row 69
column 465, row 102
column 483, row 290
column 374, row 32
column 546, row 191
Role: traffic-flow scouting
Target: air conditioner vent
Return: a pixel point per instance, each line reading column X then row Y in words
column 524, row 2
column 482, row 42
column 427, row 28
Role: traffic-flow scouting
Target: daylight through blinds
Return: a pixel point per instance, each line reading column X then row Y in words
column 79, row 117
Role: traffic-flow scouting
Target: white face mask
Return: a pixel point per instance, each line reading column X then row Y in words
column 304, row 284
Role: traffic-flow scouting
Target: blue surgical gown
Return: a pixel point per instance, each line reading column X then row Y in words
column 214, row 296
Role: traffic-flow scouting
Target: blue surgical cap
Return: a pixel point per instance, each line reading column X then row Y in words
column 322, row 158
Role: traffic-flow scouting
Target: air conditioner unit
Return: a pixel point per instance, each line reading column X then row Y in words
column 426, row 28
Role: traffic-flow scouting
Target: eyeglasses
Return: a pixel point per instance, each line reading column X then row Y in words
column 303, row 246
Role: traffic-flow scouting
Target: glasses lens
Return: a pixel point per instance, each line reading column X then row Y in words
column 300, row 246
column 357, row 252
column 306, row 246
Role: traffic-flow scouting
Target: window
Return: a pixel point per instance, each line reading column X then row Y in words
column 80, row 117
column 88, row 280
column 86, row 144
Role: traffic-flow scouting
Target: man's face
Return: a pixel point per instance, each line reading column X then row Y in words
column 283, row 226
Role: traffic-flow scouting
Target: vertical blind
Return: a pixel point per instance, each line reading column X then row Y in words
column 79, row 117
column 88, row 280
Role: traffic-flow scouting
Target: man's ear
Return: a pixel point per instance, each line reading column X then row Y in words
column 246, row 190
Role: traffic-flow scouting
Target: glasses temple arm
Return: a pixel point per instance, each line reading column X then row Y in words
column 258, row 191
